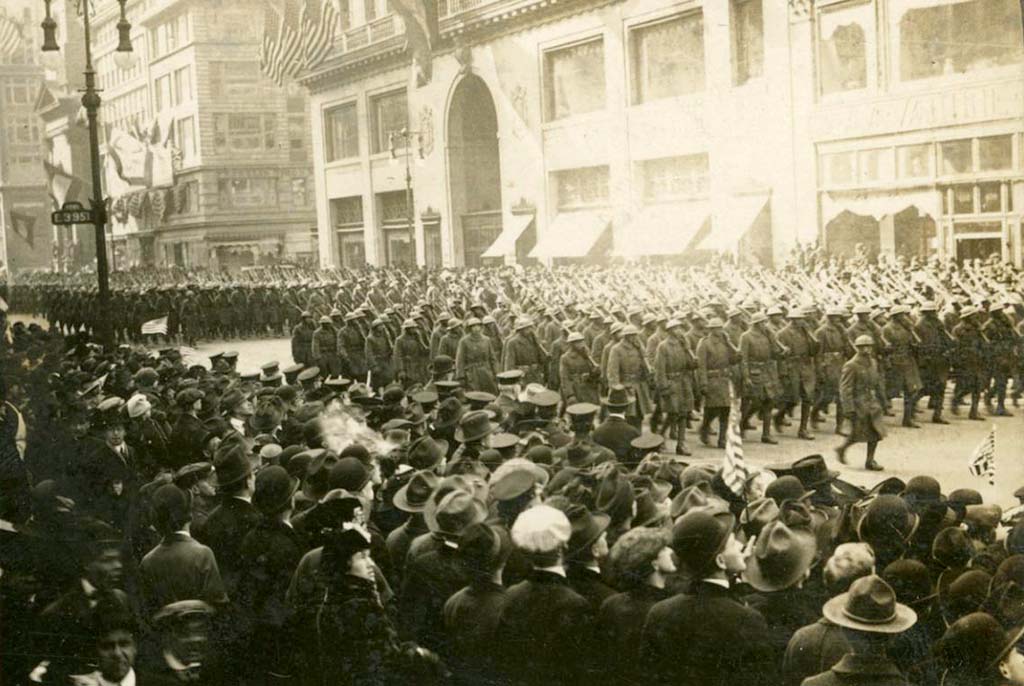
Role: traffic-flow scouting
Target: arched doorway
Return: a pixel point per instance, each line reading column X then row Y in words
column 474, row 169
column 846, row 231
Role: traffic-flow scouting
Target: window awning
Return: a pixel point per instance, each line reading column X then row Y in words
column 571, row 234
column 878, row 204
column 663, row 229
column 732, row 221
column 505, row 243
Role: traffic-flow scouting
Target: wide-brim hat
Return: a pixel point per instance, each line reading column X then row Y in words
column 274, row 489
column 587, row 527
column 456, row 511
column 812, row 471
column 618, row 396
column 781, row 556
column 415, row 494
column 426, row 452
column 473, row 426
column 870, row 605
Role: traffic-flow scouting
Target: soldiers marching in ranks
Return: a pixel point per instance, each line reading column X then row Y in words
column 475, row 363
column 798, row 382
column 524, row 352
column 579, row 375
column 934, row 351
column 834, row 349
column 627, row 366
column 1003, row 344
column 715, row 357
column 968, row 361
column 759, row 352
column 903, row 377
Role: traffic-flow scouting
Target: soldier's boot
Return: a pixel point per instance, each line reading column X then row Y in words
column 909, row 400
column 974, row 408
column 705, row 429
column 870, row 463
column 681, row 447
column 805, row 416
column 937, row 410
column 723, row 426
column 1001, row 410
column 777, row 420
column 816, row 416
column 766, row 426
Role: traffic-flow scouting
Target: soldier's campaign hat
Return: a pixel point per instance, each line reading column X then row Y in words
column 899, row 309
column 574, row 338
column 522, row 323
column 308, row 374
column 325, row 319
column 862, row 309
column 510, row 377
column 835, row 312
column 758, row 317
column 796, row 313
column 774, row 310
column 968, row 311
column 409, row 324
column 715, row 323
column 473, row 321
column 672, row 324
column 864, row 339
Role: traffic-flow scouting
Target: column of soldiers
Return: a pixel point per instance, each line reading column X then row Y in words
column 781, row 363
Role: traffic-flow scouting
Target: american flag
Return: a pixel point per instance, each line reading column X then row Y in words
column 155, row 326
column 983, row 459
column 10, row 36
column 735, row 470
column 281, row 47
column 319, row 35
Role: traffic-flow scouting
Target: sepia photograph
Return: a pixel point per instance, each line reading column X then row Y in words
column 512, row 342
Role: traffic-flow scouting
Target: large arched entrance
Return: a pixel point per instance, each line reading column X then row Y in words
column 474, row 170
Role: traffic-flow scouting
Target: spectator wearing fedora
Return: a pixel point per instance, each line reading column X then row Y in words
column 105, row 476
column 706, row 636
column 638, row 563
column 887, row 526
column 473, row 428
column 779, row 564
column 977, row 650
column 471, row 615
column 869, row 616
column 235, row 517
column 411, row 499
column 588, row 547
column 615, row 432
column 816, row 647
column 269, row 554
column 544, row 619
column 179, row 567
column 433, row 577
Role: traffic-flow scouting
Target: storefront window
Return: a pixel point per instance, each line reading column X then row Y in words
column 949, row 38
column 389, row 114
column 838, row 168
column 956, row 156
column 676, row 177
column 668, row 58
column 341, row 132
column 995, row 153
column 846, row 47
column 963, row 199
column 914, row 161
column 574, row 80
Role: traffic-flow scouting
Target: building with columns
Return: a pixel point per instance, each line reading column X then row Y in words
column 559, row 131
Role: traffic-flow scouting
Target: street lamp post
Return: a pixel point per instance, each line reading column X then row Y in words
column 124, row 58
column 406, row 136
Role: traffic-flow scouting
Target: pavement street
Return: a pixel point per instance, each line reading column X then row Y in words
column 941, row 451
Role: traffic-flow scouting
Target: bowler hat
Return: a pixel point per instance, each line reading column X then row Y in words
column 887, row 519
column 232, row 466
column 698, row 537
column 780, row 558
column 963, row 595
column 870, row 606
column 973, row 645
column 274, row 489
column 787, row 488
column 483, row 547
column 697, row 498
column 414, row 495
column 349, row 474
column 757, row 515
column 911, row 581
column 474, row 426
column 457, row 510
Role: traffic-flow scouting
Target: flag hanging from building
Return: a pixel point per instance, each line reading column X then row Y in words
column 735, row 470
column 319, row 35
column 10, row 37
column 281, row 50
column 420, row 18
column 155, row 326
column 983, row 459
column 63, row 186
column 25, row 226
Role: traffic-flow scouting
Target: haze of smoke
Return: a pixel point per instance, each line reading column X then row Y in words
column 343, row 427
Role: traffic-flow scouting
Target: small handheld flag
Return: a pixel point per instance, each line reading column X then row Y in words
column 155, row 326
column 735, row 470
column 983, row 459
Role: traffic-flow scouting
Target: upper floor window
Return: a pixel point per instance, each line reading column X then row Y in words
column 574, row 80
column 240, row 193
column 580, row 188
column 169, row 36
column 747, row 40
column 235, row 79
column 389, row 114
column 667, row 58
column 19, row 90
column 244, row 132
column 955, row 37
column 846, row 47
column 341, row 132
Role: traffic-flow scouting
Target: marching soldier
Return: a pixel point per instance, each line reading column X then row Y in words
column 934, row 350
column 352, row 345
column 904, row 378
column 325, row 348
column 475, row 365
column 798, row 383
column 715, row 357
column 674, row 364
column 302, row 340
column 862, row 326
column 833, row 350
column 578, row 373
column 378, row 354
column 411, row 356
column 968, row 360
column 1002, row 342
column 523, row 351
column 758, row 352
column 628, row 367
column 858, row 388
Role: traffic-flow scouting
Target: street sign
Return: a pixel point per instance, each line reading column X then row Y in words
column 72, row 213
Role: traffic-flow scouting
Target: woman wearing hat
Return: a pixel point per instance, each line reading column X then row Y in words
column 356, row 641
column 859, row 391
column 475, row 364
